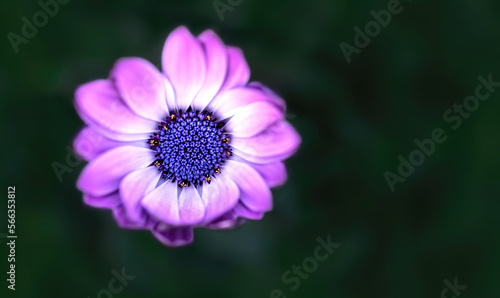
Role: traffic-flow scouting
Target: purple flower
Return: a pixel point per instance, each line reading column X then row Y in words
column 194, row 146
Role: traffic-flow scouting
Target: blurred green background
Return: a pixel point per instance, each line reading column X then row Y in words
column 355, row 119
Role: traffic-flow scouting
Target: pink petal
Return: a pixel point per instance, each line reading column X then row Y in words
column 117, row 136
column 242, row 211
column 142, row 87
column 111, row 134
column 253, row 119
column 99, row 102
column 225, row 222
column 183, row 61
column 274, row 173
column 109, row 201
column 103, row 174
column 216, row 56
column 254, row 192
column 191, row 208
column 276, row 143
column 134, row 187
column 174, row 236
column 230, row 102
column 238, row 71
column 169, row 94
column 219, row 196
column 124, row 221
column 273, row 97
column 163, row 203
column 90, row 143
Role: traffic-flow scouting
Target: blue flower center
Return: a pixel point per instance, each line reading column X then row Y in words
column 190, row 147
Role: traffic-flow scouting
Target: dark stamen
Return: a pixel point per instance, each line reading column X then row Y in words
column 191, row 147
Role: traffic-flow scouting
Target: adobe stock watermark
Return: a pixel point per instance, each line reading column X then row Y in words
column 372, row 29
column 115, row 284
column 455, row 288
column 93, row 141
column 223, row 6
column 30, row 27
column 309, row 265
column 454, row 117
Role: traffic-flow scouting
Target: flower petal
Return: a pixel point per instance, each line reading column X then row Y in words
column 117, row 136
column 238, row 71
column 103, row 174
column 183, row 61
column 191, row 208
column 141, row 86
column 163, row 203
column 276, row 143
column 274, row 173
column 174, row 236
column 242, row 211
column 227, row 221
column 124, row 221
column 219, row 196
column 216, row 56
column 254, row 192
column 273, row 97
column 169, row 94
column 253, row 119
column 230, row 102
column 111, row 134
column 109, row 201
column 99, row 102
column 134, row 187
column 90, row 143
